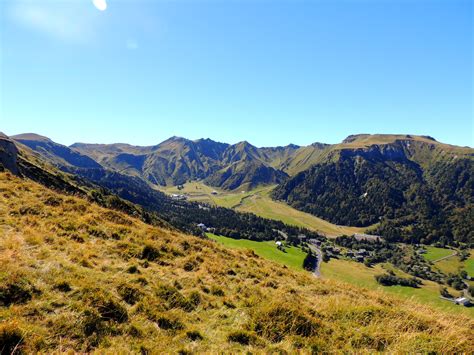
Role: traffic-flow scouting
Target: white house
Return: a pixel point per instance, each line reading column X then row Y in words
column 462, row 301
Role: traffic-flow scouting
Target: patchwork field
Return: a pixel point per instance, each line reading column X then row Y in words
column 448, row 262
column 258, row 201
column 434, row 253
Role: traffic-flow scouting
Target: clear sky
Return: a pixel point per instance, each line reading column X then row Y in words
column 269, row 72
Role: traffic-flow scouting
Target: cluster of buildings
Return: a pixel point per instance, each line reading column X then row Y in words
column 204, row 228
column 462, row 301
column 358, row 255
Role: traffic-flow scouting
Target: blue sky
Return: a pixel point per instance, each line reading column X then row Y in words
column 269, row 72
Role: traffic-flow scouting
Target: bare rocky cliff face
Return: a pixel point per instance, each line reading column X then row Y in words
column 8, row 154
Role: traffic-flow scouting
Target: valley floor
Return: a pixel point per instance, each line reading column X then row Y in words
column 258, row 201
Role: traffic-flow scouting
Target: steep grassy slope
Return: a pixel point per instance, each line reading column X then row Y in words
column 56, row 153
column 78, row 277
column 360, row 275
column 245, row 174
column 354, row 273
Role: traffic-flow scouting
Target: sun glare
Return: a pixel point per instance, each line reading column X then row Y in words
column 100, row 4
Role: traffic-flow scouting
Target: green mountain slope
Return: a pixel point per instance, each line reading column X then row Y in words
column 419, row 189
column 178, row 160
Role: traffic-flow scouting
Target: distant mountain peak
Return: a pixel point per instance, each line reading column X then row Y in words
column 176, row 139
column 244, row 144
column 369, row 139
column 31, row 137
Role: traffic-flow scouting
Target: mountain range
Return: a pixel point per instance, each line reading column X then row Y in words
column 405, row 187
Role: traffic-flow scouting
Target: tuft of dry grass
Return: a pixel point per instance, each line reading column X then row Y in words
column 75, row 277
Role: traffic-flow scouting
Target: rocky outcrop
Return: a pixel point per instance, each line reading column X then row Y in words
column 8, row 155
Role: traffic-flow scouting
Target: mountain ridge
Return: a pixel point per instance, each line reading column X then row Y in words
column 177, row 159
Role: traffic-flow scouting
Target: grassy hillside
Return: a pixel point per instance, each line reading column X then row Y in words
column 77, row 277
column 259, row 202
column 360, row 275
column 353, row 273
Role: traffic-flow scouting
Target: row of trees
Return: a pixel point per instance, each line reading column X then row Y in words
column 392, row 280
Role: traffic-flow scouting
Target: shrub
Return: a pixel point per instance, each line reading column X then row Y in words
column 310, row 261
column 444, row 292
column 241, row 337
column 62, row 286
column 390, row 280
column 11, row 339
column 169, row 324
column 16, row 290
column 129, row 293
column 194, row 335
column 150, row 253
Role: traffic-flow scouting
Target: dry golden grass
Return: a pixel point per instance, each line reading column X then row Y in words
column 77, row 277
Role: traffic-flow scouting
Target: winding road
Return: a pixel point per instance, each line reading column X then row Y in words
column 319, row 255
column 314, row 249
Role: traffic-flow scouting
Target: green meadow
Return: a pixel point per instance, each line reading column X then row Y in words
column 434, row 253
column 292, row 257
column 452, row 264
column 469, row 265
